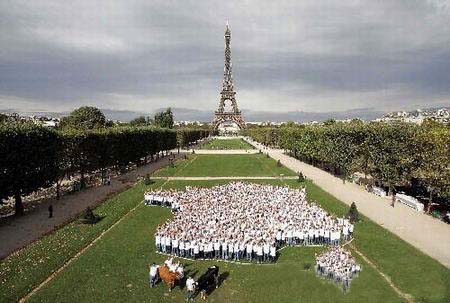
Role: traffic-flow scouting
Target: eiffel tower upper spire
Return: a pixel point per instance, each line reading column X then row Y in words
column 227, row 74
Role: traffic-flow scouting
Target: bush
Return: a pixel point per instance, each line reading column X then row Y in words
column 301, row 177
column 279, row 163
column 147, row 180
column 436, row 214
column 89, row 217
column 353, row 214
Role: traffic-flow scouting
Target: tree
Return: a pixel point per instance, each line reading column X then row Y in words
column 140, row 121
column 3, row 118
column 353, row 214
column 164, row 119
column 329, row 122
column 85, row 117
column 434, row 169
column 28, row 160
column 393, row 153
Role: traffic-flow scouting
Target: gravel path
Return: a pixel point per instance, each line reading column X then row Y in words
column 16, row 233
column 424, row 232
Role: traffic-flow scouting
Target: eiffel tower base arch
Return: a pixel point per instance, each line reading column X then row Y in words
column 227, row 117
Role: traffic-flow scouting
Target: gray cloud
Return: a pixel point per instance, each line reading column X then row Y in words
column 143, row 55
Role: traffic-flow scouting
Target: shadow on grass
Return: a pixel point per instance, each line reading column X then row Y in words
column 222, row 277
column 211, row 286
column 85, row 221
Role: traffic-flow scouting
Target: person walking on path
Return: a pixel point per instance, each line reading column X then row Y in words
column 50, row 211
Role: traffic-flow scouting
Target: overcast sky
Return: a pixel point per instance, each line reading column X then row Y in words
column 287, row 55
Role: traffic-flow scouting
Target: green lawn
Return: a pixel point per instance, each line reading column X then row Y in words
column 115, row 268
column 226, row 144
column 225, row 165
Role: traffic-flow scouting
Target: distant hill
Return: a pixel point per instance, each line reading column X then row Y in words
column 186, row 114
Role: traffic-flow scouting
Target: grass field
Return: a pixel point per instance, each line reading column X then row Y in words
column 225, row 165
column 226, row 144
column 115, row 267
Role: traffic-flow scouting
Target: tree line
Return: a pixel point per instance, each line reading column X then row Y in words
column 33, row 157
column 395, row 155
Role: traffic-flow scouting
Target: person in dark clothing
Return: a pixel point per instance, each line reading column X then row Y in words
column 50, row 211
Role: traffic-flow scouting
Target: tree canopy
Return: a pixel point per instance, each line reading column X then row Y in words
column 164, row 119
column 141, row 121
column 394, row 154
column 85, row 117
column 34, row 157
column 28, row 160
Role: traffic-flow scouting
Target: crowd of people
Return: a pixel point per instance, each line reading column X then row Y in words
column 243, row 221
column 337, row 264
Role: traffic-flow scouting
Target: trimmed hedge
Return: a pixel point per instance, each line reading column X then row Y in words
column 34, row 157
column 395, row 154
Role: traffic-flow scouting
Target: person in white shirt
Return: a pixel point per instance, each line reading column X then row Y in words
column 321, row 234
column 326, row 236
column 190, row 286
column 168, row 244
column 210, row 250
column 153, row 274
column 163, row 244
column 181, row 247
column 350, row 229
column 345, row 232
column 237, row 252
column 175, row 246
column 289, row 237
column 249, row 250
column 310, row 236
column 242, row 250
column 187, row 249
column 158, row 242
column 259, row 253
column 196, row 249
column 217, row 249
column 168, row 262
column 201, row 248
column 230, row 250
column 278, row 238
column 266, row 251
column 173, row 267
column 224, row 250
column 300, row 237
column 273, row 253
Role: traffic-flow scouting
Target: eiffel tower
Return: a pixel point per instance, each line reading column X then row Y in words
column 222, row 117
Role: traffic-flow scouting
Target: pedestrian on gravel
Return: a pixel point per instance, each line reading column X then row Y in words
column 50, row 211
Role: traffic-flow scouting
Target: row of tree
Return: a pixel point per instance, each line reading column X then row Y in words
column 88, row 117
column 34, row 157
column 394, row 154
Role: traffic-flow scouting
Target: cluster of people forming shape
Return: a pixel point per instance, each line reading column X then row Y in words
column 337, row 264
column 243, row 221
